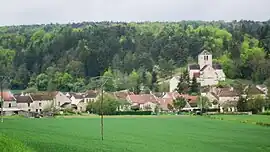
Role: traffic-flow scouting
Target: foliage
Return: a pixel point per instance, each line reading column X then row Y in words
column 256, row 104
column 57, row 57
column 135, row 107
column 179, row 103
column 194, row 86
column 109, row 106
column 203, row 102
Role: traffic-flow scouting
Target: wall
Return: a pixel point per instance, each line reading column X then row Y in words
column 203, row 62
column 173, row 84
column 44, row 105
column 81, row 107
column 209, row 81
column 23, row 106
column 13, row 104
column 61, row 99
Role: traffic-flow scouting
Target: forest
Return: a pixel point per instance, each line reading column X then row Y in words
column 67, row 56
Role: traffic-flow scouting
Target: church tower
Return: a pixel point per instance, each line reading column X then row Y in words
column 204, row 58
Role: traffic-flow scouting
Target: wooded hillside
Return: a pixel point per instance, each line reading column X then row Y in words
column 65, row 57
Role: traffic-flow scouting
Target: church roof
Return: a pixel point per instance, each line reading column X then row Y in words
column 205, row 52
column 204, row 67
column 194, row 67
column 217, row 66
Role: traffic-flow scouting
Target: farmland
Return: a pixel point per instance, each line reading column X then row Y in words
column 137, row 134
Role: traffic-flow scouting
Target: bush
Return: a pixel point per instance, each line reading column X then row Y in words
column 131, row 113
column 266, row 113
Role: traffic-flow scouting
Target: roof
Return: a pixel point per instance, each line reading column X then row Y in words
column 204, row 67
column 205, row 52
column 8, row 96
column 194, row 67
column 253, row 90
column 41, row 96
column 23, row 99
column 225, row 92
column 143, row 98
column 91, row 94
column 122, row 94
column 158, row 94
column 217, row 66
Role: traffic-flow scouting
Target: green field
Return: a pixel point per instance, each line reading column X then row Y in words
column 137, row 134
column 245, row 118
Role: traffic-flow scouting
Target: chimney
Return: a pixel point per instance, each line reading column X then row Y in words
column 231, row 89
column 22, row 94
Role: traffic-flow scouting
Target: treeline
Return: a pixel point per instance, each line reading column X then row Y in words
column 65, row 57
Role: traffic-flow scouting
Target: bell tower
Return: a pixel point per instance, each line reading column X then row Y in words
column 204, row 58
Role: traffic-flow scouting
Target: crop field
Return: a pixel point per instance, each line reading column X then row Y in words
column 135, row 134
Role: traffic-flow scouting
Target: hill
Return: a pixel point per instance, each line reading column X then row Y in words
column 66, row 57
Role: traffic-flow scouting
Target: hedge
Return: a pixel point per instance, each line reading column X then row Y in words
column 130, row 113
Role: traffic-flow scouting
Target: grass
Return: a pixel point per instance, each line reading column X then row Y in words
column 11, row 145
column 137, row 134
column 245, row 118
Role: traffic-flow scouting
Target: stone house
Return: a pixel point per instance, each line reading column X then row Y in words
column 121, row 96
column 10, row 104
column 24, row 101
column 226, row 98
column 77, row 102
column 62, row 101
column 41, row 101
column 91, row 96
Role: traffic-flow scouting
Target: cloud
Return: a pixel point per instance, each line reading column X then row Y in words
column 63, row 11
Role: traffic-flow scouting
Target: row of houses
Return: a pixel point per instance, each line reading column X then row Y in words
column 224, row 98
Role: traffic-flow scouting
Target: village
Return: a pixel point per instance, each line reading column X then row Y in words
column 208, row 75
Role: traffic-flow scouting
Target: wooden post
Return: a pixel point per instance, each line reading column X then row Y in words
column 101, row 113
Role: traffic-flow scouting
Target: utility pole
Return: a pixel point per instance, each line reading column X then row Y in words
column 104, row 80
column 2, row 78
column 101, row 112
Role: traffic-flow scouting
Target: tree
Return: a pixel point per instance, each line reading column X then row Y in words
column 110, row 105
column 154, row 81
column 134, row 81
column 42, row 81
column 256, row 104
column 179, row 103
column 182, row 86
column 135, row 107
column 170, row 107
column 194, row 87
column 203, row 102
column 109, row 85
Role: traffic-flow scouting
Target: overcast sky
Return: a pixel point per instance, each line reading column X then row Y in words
column 64, row 11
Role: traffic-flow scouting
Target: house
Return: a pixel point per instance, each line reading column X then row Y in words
column 170, row 96
column 121, row 96
column 10, row 104
column 173, row 83
column 253, row 91
column 62, row 101
column 226, row 98
column 90, row 96
column 77, row 102
column 144, row 101
column 42, row 101
column 24, row 101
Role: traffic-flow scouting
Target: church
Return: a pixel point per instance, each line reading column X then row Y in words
column 207, row 73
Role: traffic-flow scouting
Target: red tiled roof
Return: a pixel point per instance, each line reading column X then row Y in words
column 143, row 98
column 8, row 96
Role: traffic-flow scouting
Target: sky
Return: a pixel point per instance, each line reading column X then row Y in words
column 14, row 12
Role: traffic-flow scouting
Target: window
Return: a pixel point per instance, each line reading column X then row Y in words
column 28, row 104
column 29, row 110
column 206, row 58
column 40, row 104
column 58, row 103
column 9, row 105
column 40, row 110
column 36, row 110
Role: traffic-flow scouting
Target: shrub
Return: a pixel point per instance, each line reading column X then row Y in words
column 132, row 113
column 266, row 113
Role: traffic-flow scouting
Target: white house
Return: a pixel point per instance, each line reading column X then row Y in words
column 41, row 101
column 10, row 104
